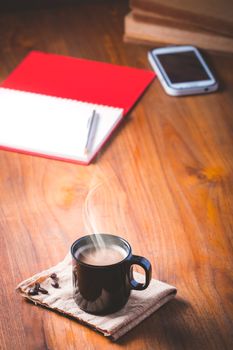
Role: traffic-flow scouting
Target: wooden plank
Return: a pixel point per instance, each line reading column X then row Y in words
column 164, row 182
column 147, row 32
column 208, row 10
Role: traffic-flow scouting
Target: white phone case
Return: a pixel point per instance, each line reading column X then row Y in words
column 185, row 88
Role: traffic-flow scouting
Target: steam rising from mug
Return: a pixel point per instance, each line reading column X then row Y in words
column 89, row 219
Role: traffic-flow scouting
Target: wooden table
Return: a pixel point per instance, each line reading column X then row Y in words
column 164, row 182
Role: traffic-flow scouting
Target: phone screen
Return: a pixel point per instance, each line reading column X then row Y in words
column 182, row 67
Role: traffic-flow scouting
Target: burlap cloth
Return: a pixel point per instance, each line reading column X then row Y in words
column 141, row 304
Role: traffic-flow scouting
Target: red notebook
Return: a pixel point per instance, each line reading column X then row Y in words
column 61, row 86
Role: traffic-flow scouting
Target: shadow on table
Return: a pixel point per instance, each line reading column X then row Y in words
column 168, row 326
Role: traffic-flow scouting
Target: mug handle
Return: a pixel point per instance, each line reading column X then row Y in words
column 146, row 265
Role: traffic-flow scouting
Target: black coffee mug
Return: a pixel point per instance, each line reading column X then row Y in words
column 105, row 289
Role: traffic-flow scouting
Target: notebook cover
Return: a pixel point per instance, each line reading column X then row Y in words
column 79, row 79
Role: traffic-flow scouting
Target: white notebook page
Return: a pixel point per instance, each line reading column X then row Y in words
column 53, row 126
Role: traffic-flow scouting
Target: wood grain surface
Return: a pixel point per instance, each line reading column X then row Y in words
column 164, row 182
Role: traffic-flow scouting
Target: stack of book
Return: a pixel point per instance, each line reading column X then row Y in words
column 207, row 24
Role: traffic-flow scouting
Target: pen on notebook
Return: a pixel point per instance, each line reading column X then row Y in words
column 91, row 131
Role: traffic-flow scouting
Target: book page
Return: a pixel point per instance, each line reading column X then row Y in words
column 52, row 126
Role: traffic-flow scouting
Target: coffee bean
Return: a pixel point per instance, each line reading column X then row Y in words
column 32, row 291
column 43, row 291
column 37, row 286
column 53, row 276
column 55, row 284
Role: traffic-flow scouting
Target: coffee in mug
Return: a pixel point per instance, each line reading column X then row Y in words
column 101, row 256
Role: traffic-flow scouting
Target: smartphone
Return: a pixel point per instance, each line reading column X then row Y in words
column 182, row 70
